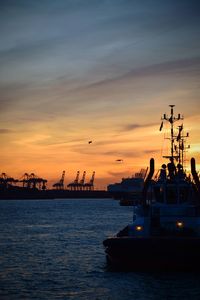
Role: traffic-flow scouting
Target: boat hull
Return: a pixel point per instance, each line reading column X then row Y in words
column 153, row 253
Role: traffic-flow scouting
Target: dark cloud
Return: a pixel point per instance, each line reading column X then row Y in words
column 5, row 131
column 112, row 141
column 129, row 154
column 117, row 174
column 68, row 52
column 121, row 154
column 53, row 141
column 185, row 66
column 130, row 127
column 151, row 151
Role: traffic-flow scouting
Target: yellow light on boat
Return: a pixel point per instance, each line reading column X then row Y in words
column 179, row 224
column 139, row 228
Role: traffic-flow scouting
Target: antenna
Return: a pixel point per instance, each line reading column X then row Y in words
column 181, row 139
column 172, row 119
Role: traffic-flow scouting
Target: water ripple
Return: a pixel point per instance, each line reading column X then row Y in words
column 53, row 250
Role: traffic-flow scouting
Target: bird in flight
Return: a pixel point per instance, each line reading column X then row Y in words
column 120, row 160
column 89, row 142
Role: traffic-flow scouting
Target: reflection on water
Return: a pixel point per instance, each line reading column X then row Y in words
column 53, row 250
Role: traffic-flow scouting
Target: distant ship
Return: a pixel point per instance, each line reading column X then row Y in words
column 129, row 190
column 165, row 231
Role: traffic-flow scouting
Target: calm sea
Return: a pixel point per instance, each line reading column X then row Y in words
column 52, row 249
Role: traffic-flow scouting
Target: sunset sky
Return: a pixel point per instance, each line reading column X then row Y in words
column 78, row 70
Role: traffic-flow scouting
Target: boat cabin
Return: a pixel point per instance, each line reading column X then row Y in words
column 172, row 193
column 173, row 186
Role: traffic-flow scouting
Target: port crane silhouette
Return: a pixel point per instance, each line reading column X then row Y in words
column 60, row 184
column 6, row 181
column 82, row 181
column 32, row 181
column 74, row 185
column 77, row 185
column 90, row 185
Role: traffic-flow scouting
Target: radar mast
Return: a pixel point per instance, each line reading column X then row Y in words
column 171, row 119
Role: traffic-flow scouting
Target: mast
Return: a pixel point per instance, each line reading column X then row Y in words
column 171, row 119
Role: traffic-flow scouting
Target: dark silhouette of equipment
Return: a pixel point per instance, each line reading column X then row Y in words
column 82, row 181
column 32, row 181
column 60, row 184
column 77, row 185
column 142, row 173
column 90, row 185
column 195, row 176
column 147, row 181
column 181, row 147
column 172, row 119
column 74, row 185
column 6, row 181
column 24, row 180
